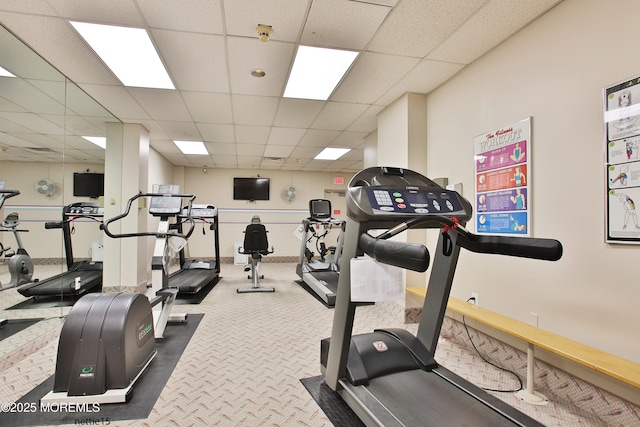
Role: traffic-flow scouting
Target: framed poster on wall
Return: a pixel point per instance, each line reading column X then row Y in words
column 622, row 162
column 503, row 182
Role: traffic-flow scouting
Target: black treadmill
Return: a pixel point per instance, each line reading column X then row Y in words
column 321, row 275
column 81, row 277
column 194, row 275
column 390, row 377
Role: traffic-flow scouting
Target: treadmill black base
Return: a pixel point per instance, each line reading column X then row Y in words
column 331, row 403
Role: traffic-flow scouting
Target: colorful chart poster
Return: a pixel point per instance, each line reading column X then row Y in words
column 503, row 186
column 622, row 162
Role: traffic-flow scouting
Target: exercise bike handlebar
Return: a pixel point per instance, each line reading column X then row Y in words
column 191, row 197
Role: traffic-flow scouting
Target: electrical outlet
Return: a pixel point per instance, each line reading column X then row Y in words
column 474, row 298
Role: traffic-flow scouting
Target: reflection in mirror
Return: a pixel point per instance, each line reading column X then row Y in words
column 44, row 122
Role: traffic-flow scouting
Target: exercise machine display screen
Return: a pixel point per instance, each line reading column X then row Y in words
column 83, row 210
column 165, row 204
column 200, row 211
column 418, row 201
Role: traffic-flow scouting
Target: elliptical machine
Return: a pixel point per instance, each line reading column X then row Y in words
column 107, row 340
column 20, row 263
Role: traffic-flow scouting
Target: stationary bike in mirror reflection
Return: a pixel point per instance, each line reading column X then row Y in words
column 20, row 264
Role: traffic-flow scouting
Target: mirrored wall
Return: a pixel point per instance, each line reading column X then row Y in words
column 44, row 121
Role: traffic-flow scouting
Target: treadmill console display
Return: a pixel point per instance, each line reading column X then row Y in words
column 414, row 201
column 166, row 205
column 84, row 210
column 200, row 211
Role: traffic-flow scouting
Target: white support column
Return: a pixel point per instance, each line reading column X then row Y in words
column 126, row 173
column 402, row 142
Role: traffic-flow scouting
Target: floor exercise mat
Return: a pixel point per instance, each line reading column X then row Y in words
column 331, row 403
column 145, row 392
column 13, row 326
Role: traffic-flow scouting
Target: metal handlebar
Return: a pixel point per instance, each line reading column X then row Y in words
column 105, row 225
column 7, row 194
column 522, row 247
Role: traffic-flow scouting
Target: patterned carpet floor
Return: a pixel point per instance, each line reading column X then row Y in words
column 244, row 363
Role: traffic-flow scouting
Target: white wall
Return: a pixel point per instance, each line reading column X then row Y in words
column 36, row 209
column 555, row 71
column 281, row 217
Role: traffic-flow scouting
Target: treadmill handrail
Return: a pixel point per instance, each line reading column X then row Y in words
column 522, row 247
column 7, row 194
column 105, row 225
column 411, row 256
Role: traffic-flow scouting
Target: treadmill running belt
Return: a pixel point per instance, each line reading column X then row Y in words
column 425, row 399
column 64, row 284
column 329, row 277
column 192, row 281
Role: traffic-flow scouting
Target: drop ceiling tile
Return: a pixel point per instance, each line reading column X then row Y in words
column 161, row 104
column 285, row 136
column 252, row 134
column 153, row 127
column 9, row 126
column 180, row 131
column 490, row 26
column 76, row 60
column 349, row 139
column 318, row 138
column 216, row 133
column 221, row 148
column 424, row 78
column 30, row 99
column 120, row 12
column 246, row 55
column 278, row 150
column 421, row 25
column 209, row 107
column 250, row 149
column 41, row 124
column 176, row 159
column 228, row 161
column 249, row 161
column 166, row 147
column 371, row 76
column 368, row 121
column 16, row 140
column 254, row 110
column 285, row 16
column 338, row 115
column 199, row 16
column 199, row 160
column 116, row 98
column 297, row 113
column 305, row 152
column 342, row 24
column 194, row 61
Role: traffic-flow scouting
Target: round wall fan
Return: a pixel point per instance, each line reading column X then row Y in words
column 289, row 192
column 45, row 186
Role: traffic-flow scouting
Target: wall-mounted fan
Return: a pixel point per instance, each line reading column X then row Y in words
column 45, row 186
column 289, row 192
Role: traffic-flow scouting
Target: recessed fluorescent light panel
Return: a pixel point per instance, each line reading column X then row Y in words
column 100, row 141
column 332, row 153
column 5, row 73
column 192, row 147
column 128, row 52
column 317, row 71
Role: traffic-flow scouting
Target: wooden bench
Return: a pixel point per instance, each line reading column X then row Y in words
column 620, row 369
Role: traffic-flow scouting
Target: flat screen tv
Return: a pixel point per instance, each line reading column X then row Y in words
column 251, row 189
column 88, row 184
